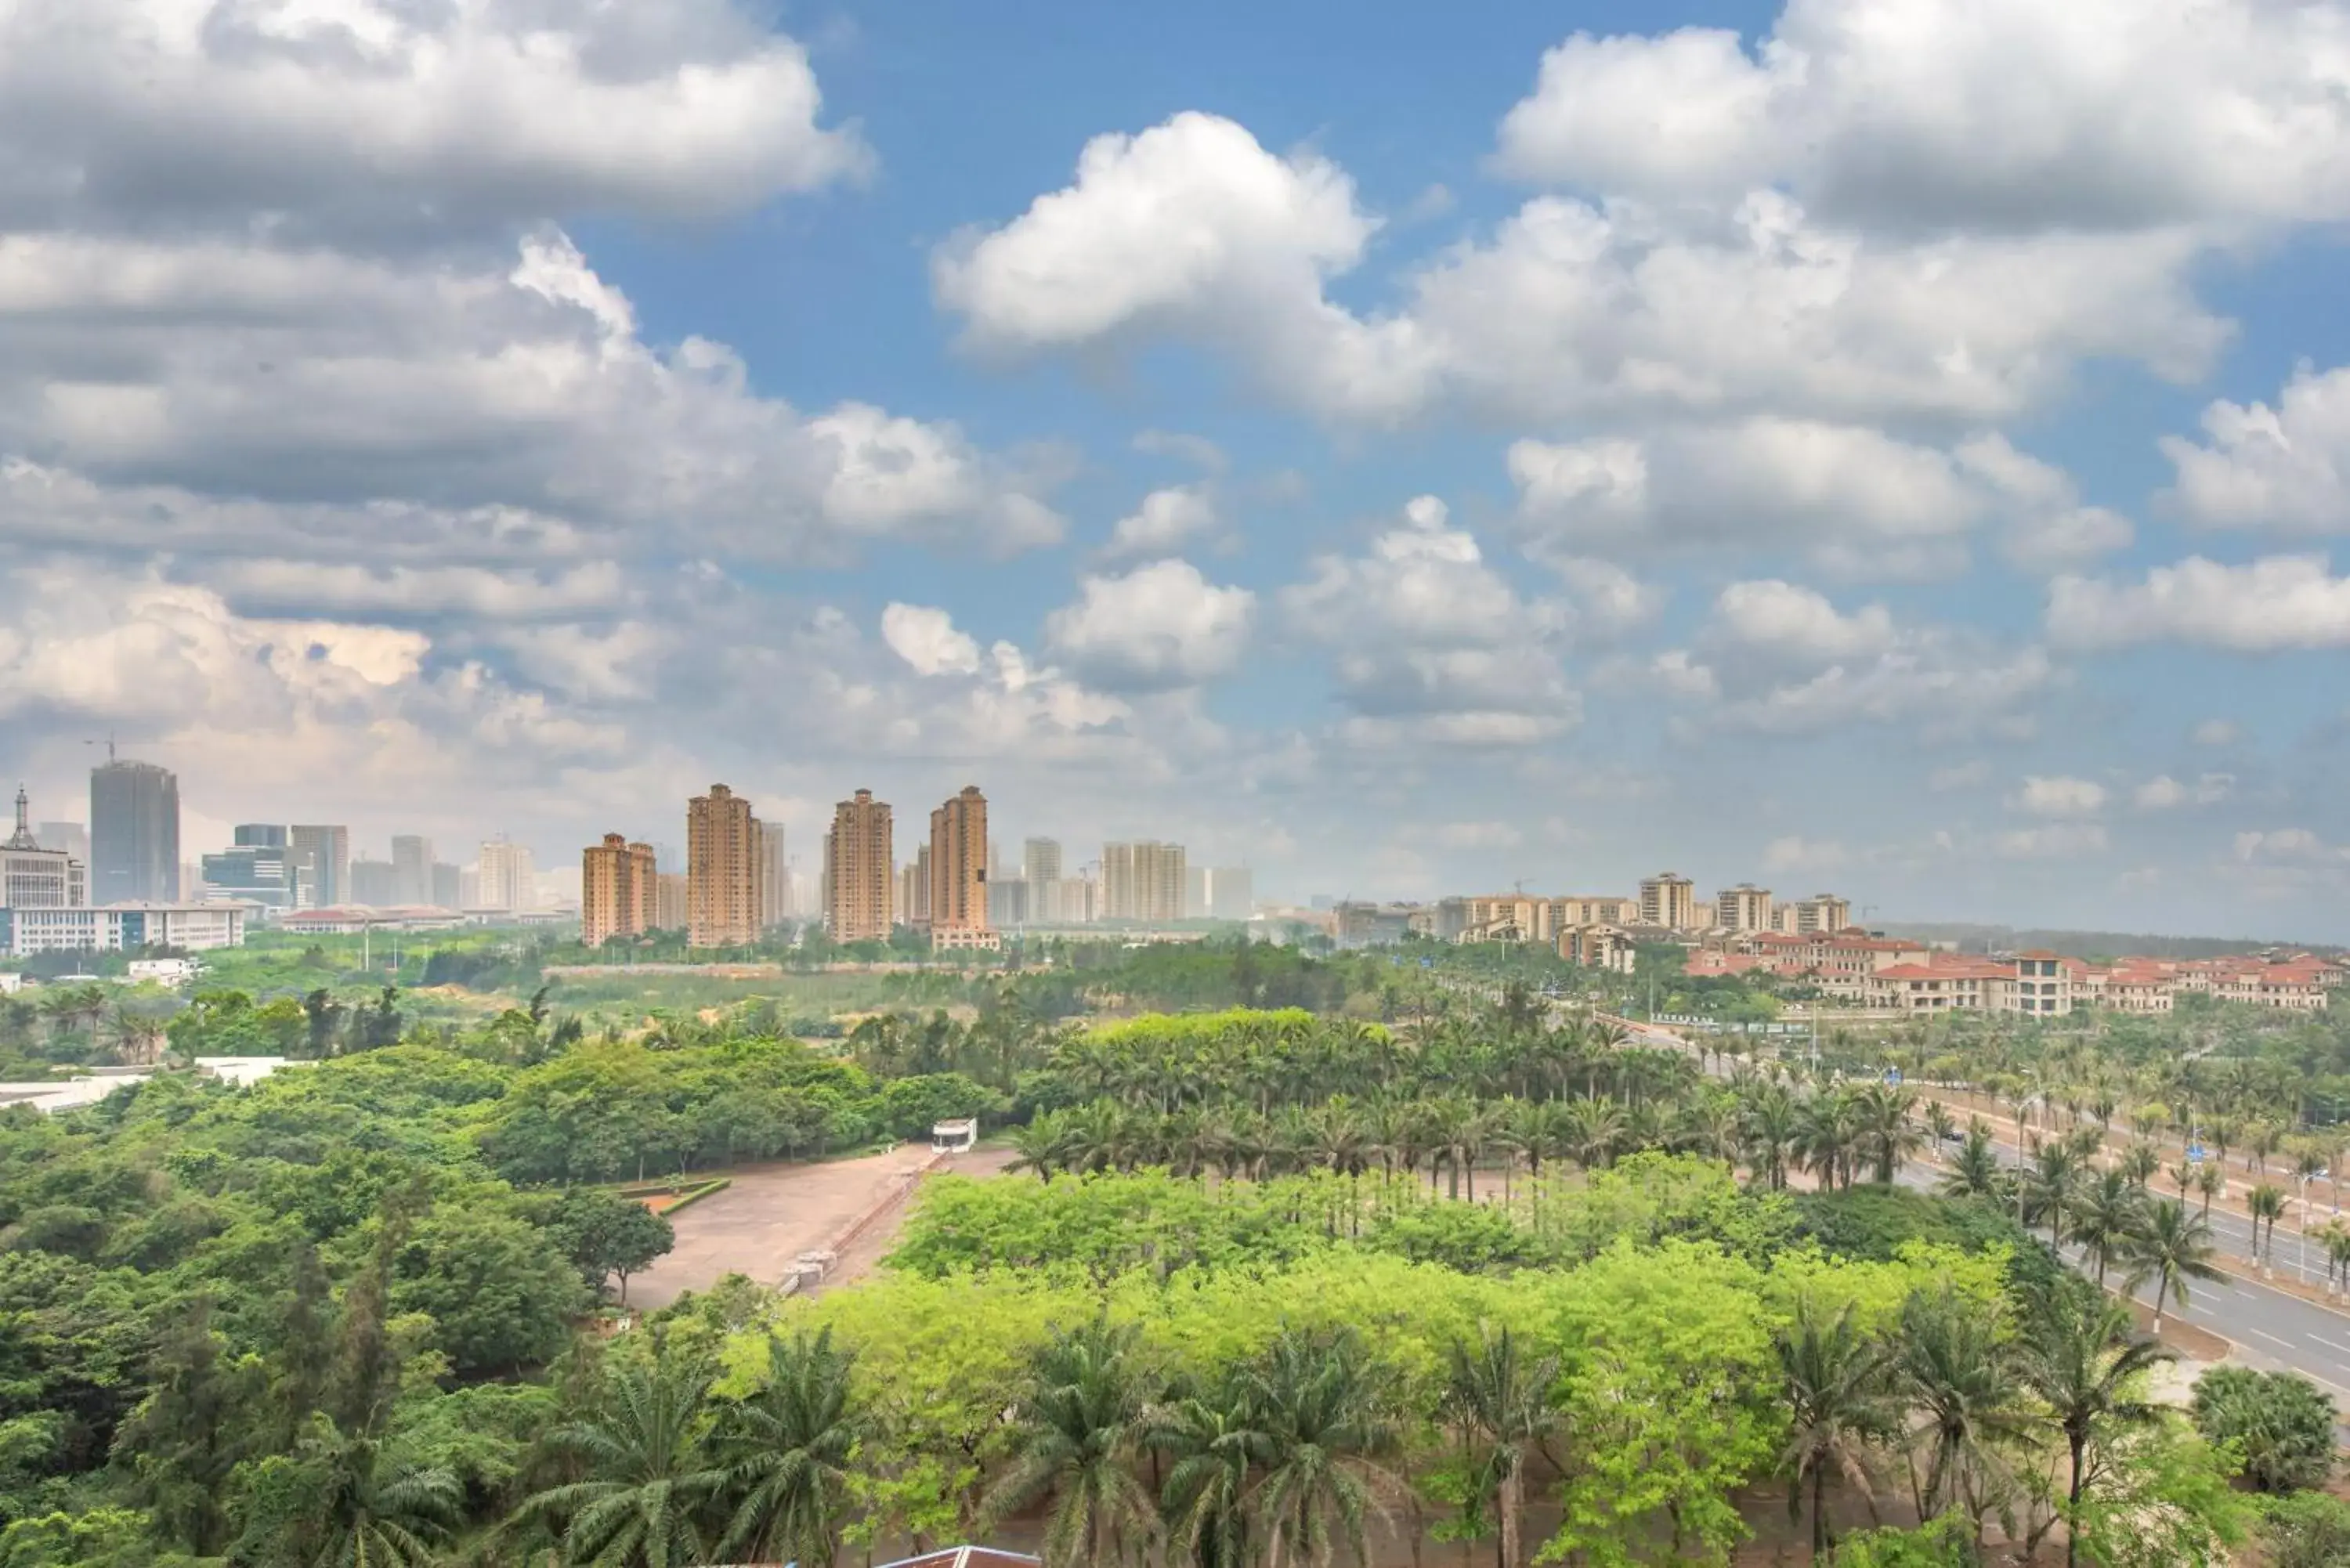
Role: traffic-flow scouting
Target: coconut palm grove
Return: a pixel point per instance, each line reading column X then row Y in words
column 1449, row 1262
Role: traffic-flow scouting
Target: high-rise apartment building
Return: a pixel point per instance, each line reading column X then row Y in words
column 33, row 877
column 959, row 871
column 448, row 886
column 1822, row 913
column 774, row 877
column 322, row 866
column 505, row 878
column 134, row 834
column 858, row 861
column 411, row 869
column 618, row 893
column 722, row 868
column 670, row 900
column 1744, row 907
column 1143, row 881
column 1040, row 861
column 1668, row 900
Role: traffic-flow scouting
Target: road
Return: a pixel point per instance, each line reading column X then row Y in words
column 2272, row 1330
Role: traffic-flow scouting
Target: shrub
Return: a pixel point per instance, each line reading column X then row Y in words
column 2282, row 1425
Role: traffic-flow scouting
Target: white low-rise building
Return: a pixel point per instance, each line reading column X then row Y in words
column 118, row 928
column 164, row 971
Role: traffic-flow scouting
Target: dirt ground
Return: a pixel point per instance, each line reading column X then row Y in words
column 770, row 1214
column 774, row 1212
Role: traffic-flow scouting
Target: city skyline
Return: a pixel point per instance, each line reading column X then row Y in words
column 1937, row 490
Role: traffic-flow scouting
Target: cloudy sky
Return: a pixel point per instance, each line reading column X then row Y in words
column 1892, row 445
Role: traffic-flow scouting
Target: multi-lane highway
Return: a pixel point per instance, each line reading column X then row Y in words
column 2270, row 1328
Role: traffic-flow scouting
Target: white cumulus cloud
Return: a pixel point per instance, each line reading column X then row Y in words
column 1161, row 625
column 2277, row 604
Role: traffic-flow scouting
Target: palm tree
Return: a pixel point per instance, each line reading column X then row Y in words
column 2209, row 1177
column 1597, row 1130
column 1955, row 1364
column 649, row 1480
column 1974, row 1170
column 354, row 1508
column 786, row 1451
column 2172, row 1248
column 1078, row 1432
column 2108, row 1212
column 1042, row 1144
column 1829, row 1137
column 2264, row 1202
column 1770, row 1130
column 1886, row 1133
column 1834, row 1387
column 1494, row 1392
column 2083, row 1360
column 2049, row 1183
column 1325, row 1410
column 1216, row 1442
column 2140, row 1161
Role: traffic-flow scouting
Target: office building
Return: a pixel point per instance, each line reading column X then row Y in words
column 774, row 877
column 1744, row 907
column 259, row 874
column 1668, row 900
column 258, row 835
column 71, row 838
column 722, row 870
column 411, row 870
column 134, row 834
column 505, row 878
column 123, row 928
column 1143, row 881
column 857, row 869
column 322, row 866
column 372, row 884
column 618, row 893
column 33, row 877
column 959, row 870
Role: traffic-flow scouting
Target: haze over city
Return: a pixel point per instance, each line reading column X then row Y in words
column 1424, row 473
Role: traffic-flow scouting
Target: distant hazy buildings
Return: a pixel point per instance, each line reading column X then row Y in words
column 1143, row 881
column 857, row 870
column 321, row 854
column 505, row 878
column 35, row 877
column 70, row 837
column 1219, row 893
column 959, row 888
column 723, row 866
column 411, row 870
column 134, row 834
column 619, row 891
column 371, row 884
column 774, row 877
column 448, row 886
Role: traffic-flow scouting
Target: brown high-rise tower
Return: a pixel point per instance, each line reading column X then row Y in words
column 958, row 866
column 860, row 870
column 722, row 870
column 616, row 889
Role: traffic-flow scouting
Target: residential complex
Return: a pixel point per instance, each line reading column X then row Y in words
column 1143, row 882
column 858, row 870
column 619, row 891
column 1668, row 901
column 958, row 873
column 504, row 878
column 724, row 868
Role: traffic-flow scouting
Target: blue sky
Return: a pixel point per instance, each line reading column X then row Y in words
column 1887, row 445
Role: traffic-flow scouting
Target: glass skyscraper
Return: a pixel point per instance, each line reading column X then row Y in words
column 134, row 834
